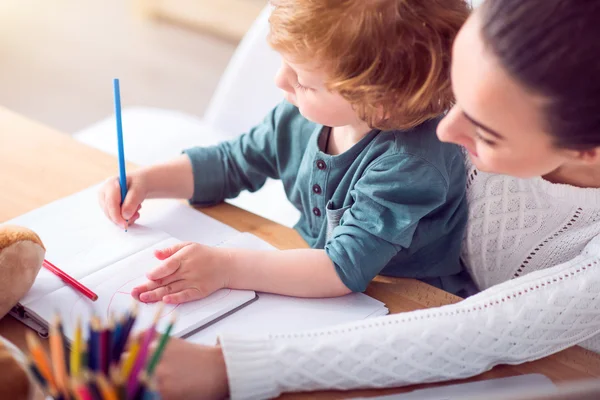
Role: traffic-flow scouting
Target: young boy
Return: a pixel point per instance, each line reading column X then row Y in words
column 366, row 83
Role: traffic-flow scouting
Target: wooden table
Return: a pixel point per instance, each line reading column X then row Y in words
column 39, row 165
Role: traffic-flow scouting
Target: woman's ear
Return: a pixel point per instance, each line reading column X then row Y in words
column 588, row 156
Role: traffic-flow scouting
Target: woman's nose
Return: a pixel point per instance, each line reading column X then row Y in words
column 454, row 128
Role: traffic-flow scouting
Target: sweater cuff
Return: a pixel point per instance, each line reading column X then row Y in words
column 250, row 367
column 209, row 177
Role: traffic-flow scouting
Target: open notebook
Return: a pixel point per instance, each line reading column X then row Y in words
column 80, row 240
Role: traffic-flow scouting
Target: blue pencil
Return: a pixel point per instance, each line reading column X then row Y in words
column 121, row 148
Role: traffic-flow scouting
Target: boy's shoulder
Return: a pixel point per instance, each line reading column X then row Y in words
column 419, row 142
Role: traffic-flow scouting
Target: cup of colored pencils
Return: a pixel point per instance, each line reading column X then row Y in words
column 112, row 364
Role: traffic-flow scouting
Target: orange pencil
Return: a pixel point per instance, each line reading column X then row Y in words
column 39, row 356
column 57, row 350
column 106, row 389
column 69, row 280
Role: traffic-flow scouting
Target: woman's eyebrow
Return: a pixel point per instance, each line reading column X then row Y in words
column 485, row 128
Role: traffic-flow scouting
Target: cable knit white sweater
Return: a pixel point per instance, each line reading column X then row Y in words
column 533, row 248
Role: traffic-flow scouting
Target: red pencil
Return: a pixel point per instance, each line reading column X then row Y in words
column 69, row 280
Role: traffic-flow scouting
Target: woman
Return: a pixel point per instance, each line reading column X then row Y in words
column 528, row 113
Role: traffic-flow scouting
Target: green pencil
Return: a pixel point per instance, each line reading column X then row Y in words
column 160, row 349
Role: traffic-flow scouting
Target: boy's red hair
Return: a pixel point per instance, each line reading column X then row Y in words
column 389, row 58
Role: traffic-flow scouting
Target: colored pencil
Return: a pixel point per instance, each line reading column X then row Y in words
column 52, row 392
column 67, row 375
column 116, row 337
column 125, row 332
column 69, row 280
column 131, row 357
column 65, row 342
column 83, row 358
column 118, row 382
column 121, row 147
column 94, row 351
column 143, row 354
column 110, row 331
column 81, row 389
column 40, row 358
column 91, row 347
column 160, row 349
column 37, row 375
column 58, row 359
column 76, row 348
column 142, row 386
column 106, row 389
column 92, row 386
column 104, row 349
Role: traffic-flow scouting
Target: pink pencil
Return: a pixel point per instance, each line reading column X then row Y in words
column 140, row 361
column 69, row 280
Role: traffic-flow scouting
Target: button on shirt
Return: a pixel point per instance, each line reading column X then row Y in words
column 394, row 203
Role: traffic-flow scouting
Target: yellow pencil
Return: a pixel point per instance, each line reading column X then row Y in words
column 39, row 356
column 58, row 359
column 131, row 357
column 76, row 351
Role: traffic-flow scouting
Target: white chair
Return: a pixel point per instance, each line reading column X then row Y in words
column 246, row 92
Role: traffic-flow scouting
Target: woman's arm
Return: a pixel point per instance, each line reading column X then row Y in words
column 518, row 321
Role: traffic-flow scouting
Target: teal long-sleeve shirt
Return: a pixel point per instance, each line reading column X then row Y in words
column 393, row 204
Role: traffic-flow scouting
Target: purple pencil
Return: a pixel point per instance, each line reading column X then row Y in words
column 140, row 361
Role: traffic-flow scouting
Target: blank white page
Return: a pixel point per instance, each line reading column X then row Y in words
column 184, row 222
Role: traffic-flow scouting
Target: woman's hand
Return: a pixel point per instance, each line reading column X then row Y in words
column 190, row 271
column 191, row 371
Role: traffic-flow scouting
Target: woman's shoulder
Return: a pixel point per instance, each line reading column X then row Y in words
column 489, row 184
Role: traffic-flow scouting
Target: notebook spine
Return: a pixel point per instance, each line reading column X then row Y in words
column 20, row 313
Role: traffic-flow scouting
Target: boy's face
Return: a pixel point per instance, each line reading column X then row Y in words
column 304, row 86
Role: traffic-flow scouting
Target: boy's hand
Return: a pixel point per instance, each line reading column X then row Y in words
column 109, row 198
column 190, row 271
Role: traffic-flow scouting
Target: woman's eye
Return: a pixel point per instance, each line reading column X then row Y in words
column 481, row 138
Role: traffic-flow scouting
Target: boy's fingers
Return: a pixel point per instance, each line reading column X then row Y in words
column 112, row 203
column 143, row 288
column 135, row 217
column 131, row 204
column 163, row 254
column 184, row 296
column 160, row 292
column 167, row 268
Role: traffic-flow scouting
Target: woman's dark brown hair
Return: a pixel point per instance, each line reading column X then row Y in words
column 553, row 48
